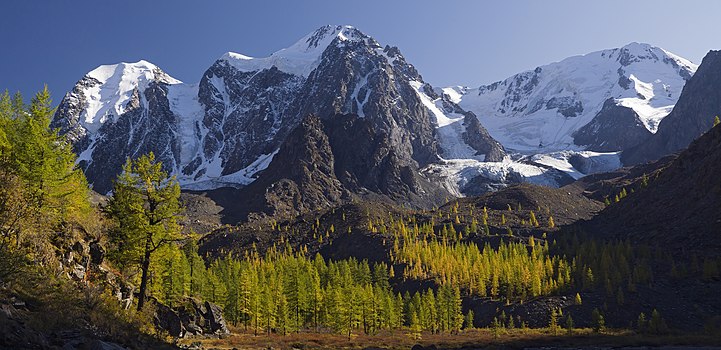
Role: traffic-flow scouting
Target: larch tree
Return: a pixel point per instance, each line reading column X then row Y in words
column 146, row 207
column 41, row 190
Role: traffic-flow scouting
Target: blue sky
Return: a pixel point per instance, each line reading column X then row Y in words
column 450, row 42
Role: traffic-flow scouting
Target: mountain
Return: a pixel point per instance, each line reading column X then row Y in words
column 225, row 129
column 693, row 115
column 316, row 170
column 119, row 111
column 678, row 208
column 581, row 102
column 549, row 126
column 568, row 119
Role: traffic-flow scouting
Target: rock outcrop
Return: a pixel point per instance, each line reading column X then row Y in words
column 692, row 115
column 190, row 318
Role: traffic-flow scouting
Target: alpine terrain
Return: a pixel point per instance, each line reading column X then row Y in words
column 327, row 196
column 547, row 126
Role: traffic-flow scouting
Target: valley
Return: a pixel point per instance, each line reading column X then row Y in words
column 327, row 196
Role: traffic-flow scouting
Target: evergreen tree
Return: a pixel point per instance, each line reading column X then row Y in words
column 41, row 191
column 553, row 323
column 716, row 121
column 569, row 325
column 657, row 325
column 145, row 205
column 597, row 322
column 641, row 323
column 496, row 327
column 468, row 321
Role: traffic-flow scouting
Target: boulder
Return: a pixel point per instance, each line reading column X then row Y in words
column 168, row 320
column 97, row 253
column 78, row 272
column 190, row 318
column 215, row 317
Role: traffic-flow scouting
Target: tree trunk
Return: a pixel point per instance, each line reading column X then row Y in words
column 145, row 266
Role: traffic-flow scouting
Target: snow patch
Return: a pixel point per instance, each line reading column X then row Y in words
column 299, row 59
column 456, row 174
column 449, row 127
column 240, row 178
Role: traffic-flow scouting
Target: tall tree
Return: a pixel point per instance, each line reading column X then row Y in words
column 40, row 187
column 146, row 207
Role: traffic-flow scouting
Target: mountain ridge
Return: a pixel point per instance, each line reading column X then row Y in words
column 226, row 129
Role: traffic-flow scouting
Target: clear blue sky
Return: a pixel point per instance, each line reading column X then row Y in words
column 450, row 42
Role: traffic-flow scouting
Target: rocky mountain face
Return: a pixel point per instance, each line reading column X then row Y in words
column 693, row 115
column 228, row 127
column 325, row 163
column 381, row 131
column 679, row 206
column 108, row 124
column 582, row 101
column 565, row 120
column 614, row 128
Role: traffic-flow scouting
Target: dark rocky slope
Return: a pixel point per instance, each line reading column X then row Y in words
column 614, row 128
column 679, row 208
column 693, row 114
column 325, row 163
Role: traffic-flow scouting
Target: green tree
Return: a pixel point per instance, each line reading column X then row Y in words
column 716, row 121
column 641, row 323
column 496, row 327
column 657, row 325
column 41, row 191
column 569, row 325
column 553, row 323
column 597, row 322
column 146, row 207
column 578, row 301
column 468, row 321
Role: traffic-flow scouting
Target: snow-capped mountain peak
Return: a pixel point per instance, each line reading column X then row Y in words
column 108, row 88
column 636, row 52
column 544, row 108
column 300, row 58
column 559, row 121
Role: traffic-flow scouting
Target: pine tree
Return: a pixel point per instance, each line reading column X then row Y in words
column 716, row 121
column 578, row 299
column 40, row 188
column 468, row 321
column 569, row 325
column 532, row 220
column 145, row 205
column 551, row 223
column 496, row 327
column 641, row 323
column 597, row 322
column 553, row 323
column 657, row 325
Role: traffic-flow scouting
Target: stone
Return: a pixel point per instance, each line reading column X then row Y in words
column 78, row 272
column 215, row 318
column 168, row 320
column 97, row 253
